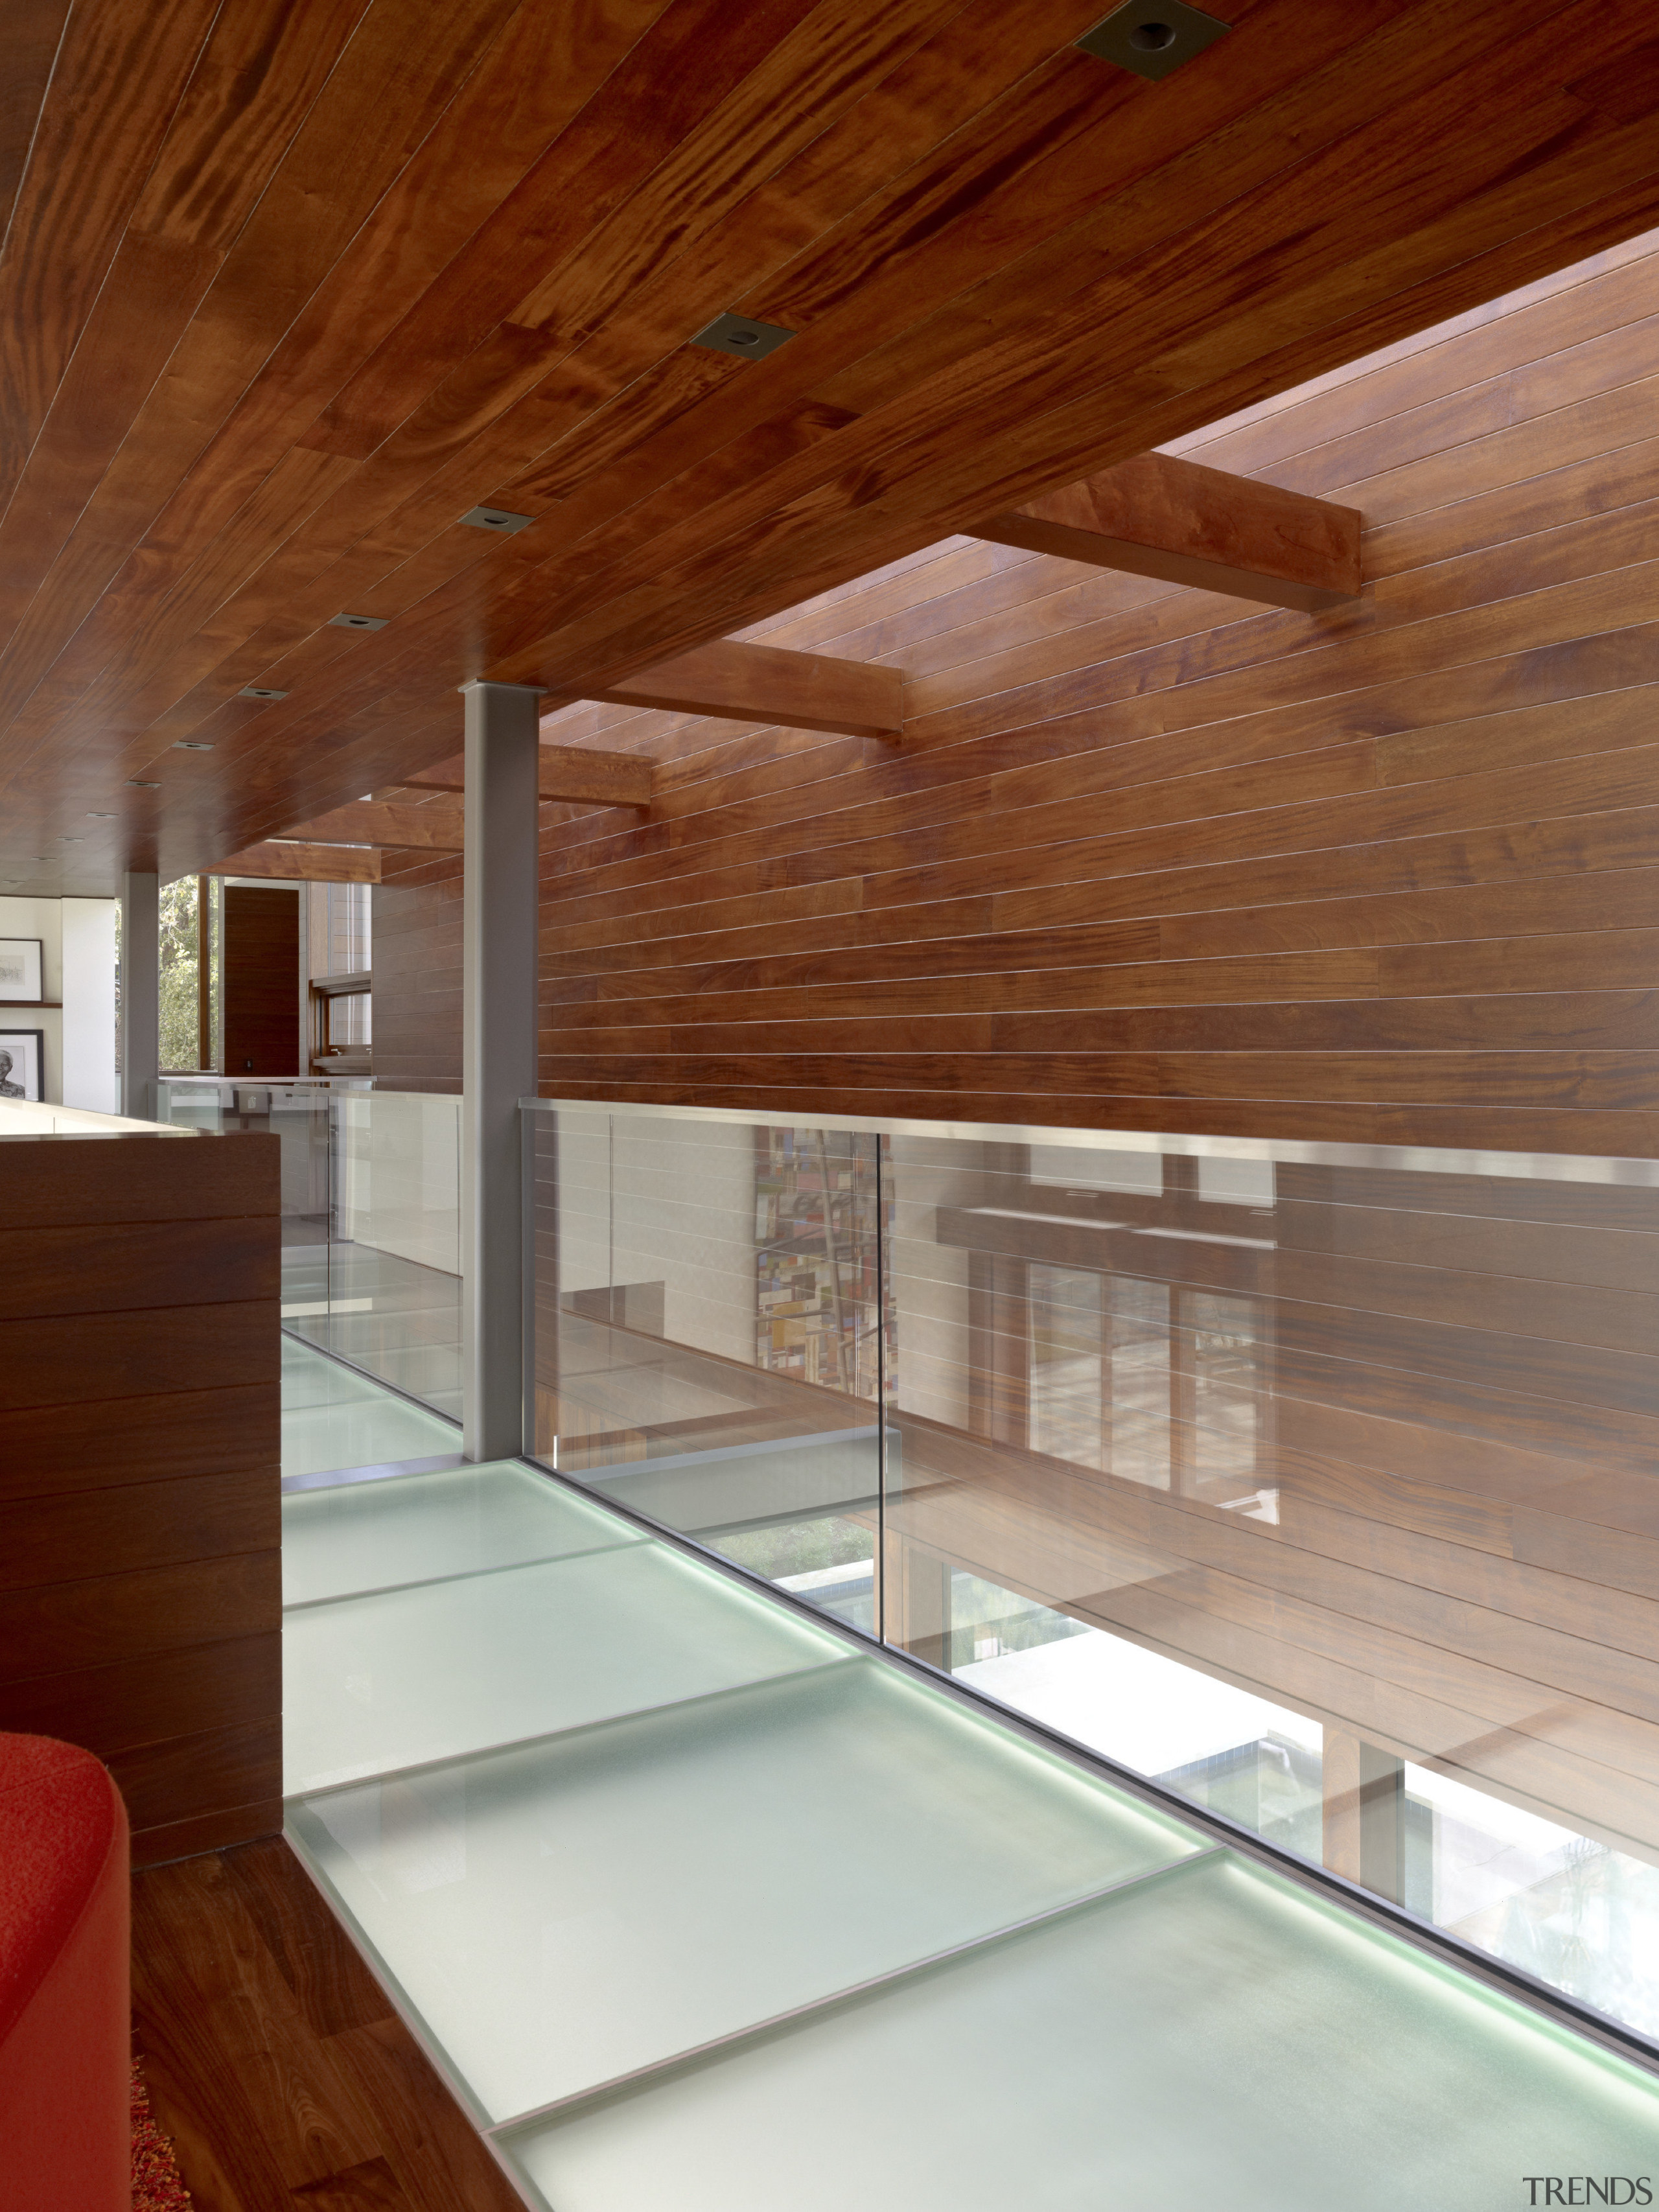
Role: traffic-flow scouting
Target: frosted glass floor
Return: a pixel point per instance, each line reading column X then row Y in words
column 310, row 1379
column 1213, row 2037
column 820, row 1831
column 369, row 1431
column 418, row 1528
column 412, row 1675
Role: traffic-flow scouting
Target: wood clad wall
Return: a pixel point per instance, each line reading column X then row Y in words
column 262, row 981
column 1152, row 859
column 140, row 1582
column 1444, row 1383
column 416, row 931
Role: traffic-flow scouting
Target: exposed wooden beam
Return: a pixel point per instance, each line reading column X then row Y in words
column 567, row 771
column 290, row 862
column 433, row 829
column 1154, row 516
column 764, row 683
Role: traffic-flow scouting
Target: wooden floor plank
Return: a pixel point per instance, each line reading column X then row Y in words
column 273, row 2060
column 330, row 1983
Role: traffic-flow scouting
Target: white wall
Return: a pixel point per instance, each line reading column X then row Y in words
column 78, row 949
column 41, row 918
column 88, row 1018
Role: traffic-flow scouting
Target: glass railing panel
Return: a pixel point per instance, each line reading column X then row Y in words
column 335, row 1421
column 382, row 1289
column 707, row 1338
column 353, row 1537
column 296, row 1114
column 1317, row 1488
column 1211, row 2036
column 824, row 1830
column 1300, row 1480
column 409, row 1676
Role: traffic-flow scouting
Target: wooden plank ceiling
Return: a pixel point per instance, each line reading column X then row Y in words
column 290, row 288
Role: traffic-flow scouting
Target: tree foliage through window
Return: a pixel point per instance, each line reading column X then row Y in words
column 180, row 931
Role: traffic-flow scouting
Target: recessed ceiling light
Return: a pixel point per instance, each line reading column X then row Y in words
column 742, row 335
column 137, row 783
column 259, row 691
column 497, row 518
column 1152, row 38
column 190, row 745
column 357, row 622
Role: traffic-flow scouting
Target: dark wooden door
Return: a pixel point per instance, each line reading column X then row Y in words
column 262, row 981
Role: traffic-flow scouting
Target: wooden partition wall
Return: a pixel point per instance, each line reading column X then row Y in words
column 140, row 1573
column 1147, row 858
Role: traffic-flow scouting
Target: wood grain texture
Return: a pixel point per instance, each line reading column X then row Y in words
column 261, row 965
column 433, row 828
column 275, row 2060
column 567, row 771
column 1149, row 859
column 290, row 289
column 303, row 864
column 140, row 1593
column 1180, row 523
column 732, row 682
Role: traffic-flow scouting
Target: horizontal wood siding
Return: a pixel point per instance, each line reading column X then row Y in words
column 1151, row 858
column 416, row 928
column 140, row 1569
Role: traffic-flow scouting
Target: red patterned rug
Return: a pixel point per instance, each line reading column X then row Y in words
column 156, row 2186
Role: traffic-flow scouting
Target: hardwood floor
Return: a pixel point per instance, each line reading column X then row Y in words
column 273, row 2060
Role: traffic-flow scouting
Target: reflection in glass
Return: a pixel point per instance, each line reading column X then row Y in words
column 1314, row 1485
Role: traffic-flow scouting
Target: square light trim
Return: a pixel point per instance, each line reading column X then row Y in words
column 259, row 691
column 358, row 622
column 742, row 335
column 192, row 745
column 1152, row 38
column 498, row 519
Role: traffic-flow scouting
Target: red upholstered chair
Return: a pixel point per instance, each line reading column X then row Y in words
column 65, row 2001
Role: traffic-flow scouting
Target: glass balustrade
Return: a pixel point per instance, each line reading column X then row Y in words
column 1257, row 1529
column 371, row 1263
column 1315, row 1485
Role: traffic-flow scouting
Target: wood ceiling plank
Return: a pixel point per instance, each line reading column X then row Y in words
column 306, row 864
column 117, row 81
column 35, row 31
column 1337, row 257
column 938, row 169
column 690, row 60
column 391, row 84
column 766, row 684
column 567, row 771
column 1184, row 524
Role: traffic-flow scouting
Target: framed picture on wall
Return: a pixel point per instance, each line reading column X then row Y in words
column 20, row 968
column 21, row 1058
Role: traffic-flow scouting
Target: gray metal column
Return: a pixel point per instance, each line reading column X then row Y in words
column 498, row 1055
column 141, row 996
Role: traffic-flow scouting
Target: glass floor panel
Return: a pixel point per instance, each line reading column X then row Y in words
column 311, row 1379
column 412, row 1675
column 419, row 1528
column 825, row 1829
column 1211, row 2037
column 636, row 1874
